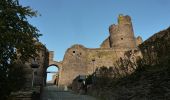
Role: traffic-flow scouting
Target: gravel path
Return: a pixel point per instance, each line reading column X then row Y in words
column 53, row 93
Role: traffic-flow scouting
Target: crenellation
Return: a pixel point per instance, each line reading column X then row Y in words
column 122, row 35
column 122, row 20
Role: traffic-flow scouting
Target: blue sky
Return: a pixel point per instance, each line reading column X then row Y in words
column 51, row 69
column 67, row 22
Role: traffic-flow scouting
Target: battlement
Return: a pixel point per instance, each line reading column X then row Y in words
column 122, row 35
column 113, row 27
column 124, row 19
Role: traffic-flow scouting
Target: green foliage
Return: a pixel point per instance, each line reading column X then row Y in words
column 16, row 76
column 14, row 80
column 17, row 40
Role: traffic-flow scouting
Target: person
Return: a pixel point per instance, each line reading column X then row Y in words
column 85, row 86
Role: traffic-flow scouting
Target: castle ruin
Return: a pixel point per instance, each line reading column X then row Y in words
column 79, row 60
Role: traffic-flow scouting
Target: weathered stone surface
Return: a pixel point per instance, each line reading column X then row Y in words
column 106, row 43
column 122, row 35
column 139, row 40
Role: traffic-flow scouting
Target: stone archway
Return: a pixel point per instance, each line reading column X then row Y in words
column 52, row 74
column 51, row 62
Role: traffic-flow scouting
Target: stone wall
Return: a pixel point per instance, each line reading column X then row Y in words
column 74, row 64
column 29, row 91
column 139, row 40
column 42, row 61
column 79, row 60
column 106, row 43
column 122, row 35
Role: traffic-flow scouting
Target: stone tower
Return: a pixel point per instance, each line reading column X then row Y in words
column 122, row 35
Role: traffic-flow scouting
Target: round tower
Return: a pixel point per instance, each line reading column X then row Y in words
column 122, row 35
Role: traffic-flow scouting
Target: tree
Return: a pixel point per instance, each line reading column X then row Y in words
column 17, row 37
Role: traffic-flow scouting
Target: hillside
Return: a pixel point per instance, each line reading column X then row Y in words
column 150, row 81
column 146, row 83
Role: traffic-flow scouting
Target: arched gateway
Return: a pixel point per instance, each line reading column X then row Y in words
column 52, row 73
column 57, row 74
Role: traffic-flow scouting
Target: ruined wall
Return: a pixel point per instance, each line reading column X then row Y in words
column 139, row 41
column 42, row 61
column 74, row 64
column 122, row 35
column 97, row 58
column 106, row 43
column 79, row 60
column 156, row 49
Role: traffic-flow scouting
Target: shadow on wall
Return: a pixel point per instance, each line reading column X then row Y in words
column 123, row 66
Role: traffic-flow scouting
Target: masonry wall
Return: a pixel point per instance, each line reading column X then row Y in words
column 79, row 60
column 103, row 57
column 26, row 92
column 106, row 43
column 122, row 35
column 42, row 60
column 73, row 64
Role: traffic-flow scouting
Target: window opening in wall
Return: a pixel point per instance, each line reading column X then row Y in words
column 74, row 51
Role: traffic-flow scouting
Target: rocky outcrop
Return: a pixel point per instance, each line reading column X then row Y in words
column 157, row 48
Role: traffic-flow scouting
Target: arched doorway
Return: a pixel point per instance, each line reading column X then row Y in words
column 52, row 75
